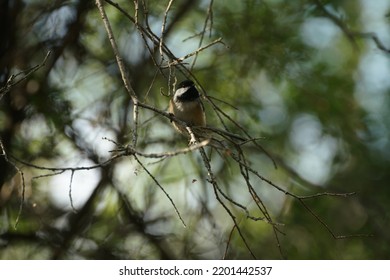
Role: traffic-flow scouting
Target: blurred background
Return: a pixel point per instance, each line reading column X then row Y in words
column 311, row 77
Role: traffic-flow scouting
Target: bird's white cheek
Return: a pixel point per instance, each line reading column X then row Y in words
column 186, row 106
column 180, row 92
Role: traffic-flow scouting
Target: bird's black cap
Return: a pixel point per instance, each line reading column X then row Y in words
column 186, row 83
column 190, row 94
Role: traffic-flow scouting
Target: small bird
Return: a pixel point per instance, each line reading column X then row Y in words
column 187, row 107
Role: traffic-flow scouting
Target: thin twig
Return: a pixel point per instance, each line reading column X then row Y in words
column 263, row 209
column 197, row 51
column 209, row 17
column 350, row 34
column 23, row 186
column 70, row 192
column 122, row 68
column 162, row 189
column 163, row 28
column 119, row 60
column 327, row 227
column 228, row 242
column 216, row 188
column 128, row 150
column 11, row 82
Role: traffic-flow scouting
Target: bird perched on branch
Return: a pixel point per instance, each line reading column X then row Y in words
column 187, row 107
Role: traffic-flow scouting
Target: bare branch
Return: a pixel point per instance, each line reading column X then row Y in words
column 70, row 192
column 209, row 18
column 163, row 190
column 23, row 186
column 196, row 52
column 27, row 73
column 350, row 34
column 163, row 28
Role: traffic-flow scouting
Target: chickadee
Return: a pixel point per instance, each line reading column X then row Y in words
column 187, row 106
